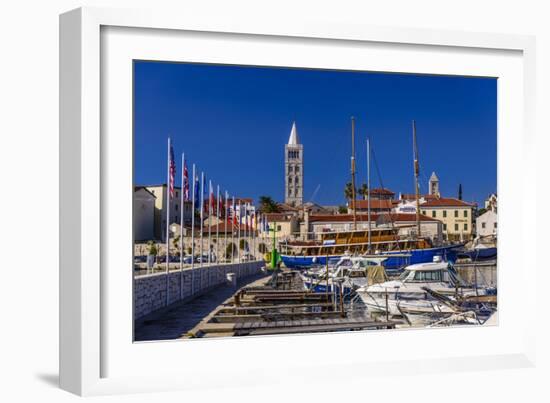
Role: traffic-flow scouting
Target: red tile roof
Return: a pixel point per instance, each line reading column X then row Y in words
column 223, row 228
column 374, row 204
column 405, row 217
column 340, row 217
column 286, row 207
column 446, row 202
column 381, row 191
column 413, row 197
column 271, row 217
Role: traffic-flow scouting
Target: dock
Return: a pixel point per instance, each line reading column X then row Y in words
column 280, row 305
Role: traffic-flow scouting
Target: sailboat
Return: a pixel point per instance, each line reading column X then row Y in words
column 401, row 251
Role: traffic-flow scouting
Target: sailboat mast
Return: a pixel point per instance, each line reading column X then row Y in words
column 368, row 192
column 353, row 173
column 416, row 187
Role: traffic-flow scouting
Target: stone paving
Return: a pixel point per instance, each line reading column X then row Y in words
column 176, row 320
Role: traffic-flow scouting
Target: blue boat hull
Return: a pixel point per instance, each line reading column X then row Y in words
column 480, row 254
column 448, row 253
column 321, row 287
column 301, row 262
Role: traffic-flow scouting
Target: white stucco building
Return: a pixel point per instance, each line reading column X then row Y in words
column 144, row 214
column 487, row 224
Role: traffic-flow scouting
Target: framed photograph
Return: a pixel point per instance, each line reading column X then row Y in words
column 245, row 195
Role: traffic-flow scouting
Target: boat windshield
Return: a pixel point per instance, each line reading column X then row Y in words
column 428, row 276
column 404, row 275
column 367, row 263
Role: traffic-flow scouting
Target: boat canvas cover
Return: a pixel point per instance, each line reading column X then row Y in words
column 376, row 275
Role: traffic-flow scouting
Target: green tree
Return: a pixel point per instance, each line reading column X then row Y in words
column 152, row 248
column 176, row 244
column 342, row 209
column 363, row 190
column 268, row 205
column 243, row 244
column 348, row 192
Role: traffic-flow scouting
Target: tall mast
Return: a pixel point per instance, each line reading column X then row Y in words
column 353, row 172
column 368, row 191
column 416, row 187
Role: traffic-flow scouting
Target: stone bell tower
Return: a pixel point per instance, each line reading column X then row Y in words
column 294, row 169
column 434, row 185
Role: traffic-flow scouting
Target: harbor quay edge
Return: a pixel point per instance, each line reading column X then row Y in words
column 150, row 290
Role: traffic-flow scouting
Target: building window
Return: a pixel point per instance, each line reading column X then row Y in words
column 444, row 227
column 297, row 180
column 177, row 219
column 278, row 226
column 177, row 193
column 483, row 225
column 465, row 227
column 444, row 213
column 456, row 213
column 433, row 213
column 456, row 227
column 465, row 213
column 176, row 207
column 424, row 212
column 289, row 180
column 495, row 225
column 297, row 169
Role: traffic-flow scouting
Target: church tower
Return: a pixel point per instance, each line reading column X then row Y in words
column 294, row 169
column 434, row 185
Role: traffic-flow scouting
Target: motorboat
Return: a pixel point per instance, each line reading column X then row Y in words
column 410, row 292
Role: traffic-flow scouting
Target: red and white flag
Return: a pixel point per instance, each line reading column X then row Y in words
column 185, row 182
column 172, row 170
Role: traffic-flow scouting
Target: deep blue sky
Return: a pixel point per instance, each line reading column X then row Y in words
column 233, row 122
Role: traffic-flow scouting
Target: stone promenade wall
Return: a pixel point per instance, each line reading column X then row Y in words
column 150, row 290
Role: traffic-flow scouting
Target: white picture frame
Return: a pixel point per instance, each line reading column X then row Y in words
column 87, row 343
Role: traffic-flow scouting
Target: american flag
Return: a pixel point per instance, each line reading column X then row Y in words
column 185, row 183
column 172, row 171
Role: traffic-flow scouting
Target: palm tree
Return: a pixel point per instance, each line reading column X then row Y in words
column 268, row 205
column 348, row 192
column 363, row 191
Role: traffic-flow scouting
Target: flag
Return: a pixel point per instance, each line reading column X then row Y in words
column 205, row 193
column 220, row 206
column 172, row 171
column 234, row 212
column 185, row 186
column 197, row 190
column 211, row 205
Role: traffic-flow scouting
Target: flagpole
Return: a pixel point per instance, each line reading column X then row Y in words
column 182, row 211
column 210, row 200
column 247, row 229
column 225, row 228
column 239, row 235
column 193, row 235
column 254, row 225
column 168, row 222
column 202, row 215
column 218, row 226
column 233, row 219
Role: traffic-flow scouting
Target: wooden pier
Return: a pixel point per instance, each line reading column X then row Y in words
column 280, row 305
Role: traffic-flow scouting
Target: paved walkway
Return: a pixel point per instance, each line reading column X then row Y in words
column 175, row 321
